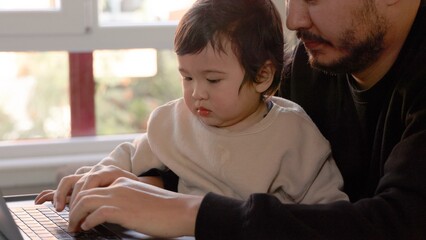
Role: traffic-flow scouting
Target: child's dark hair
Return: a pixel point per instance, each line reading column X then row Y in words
column 253, row 27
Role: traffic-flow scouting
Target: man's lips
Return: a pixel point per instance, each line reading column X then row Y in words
column 312, row 41
column 203, row 112
column 312, row 45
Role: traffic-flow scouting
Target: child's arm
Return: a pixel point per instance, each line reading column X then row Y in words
column 135, row 157
column 321, row 184
column 126, row 160
column 327, row 186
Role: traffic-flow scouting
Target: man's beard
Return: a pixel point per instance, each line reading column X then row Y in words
column 360, row 54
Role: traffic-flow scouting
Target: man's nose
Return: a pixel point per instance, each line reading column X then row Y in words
column 297, row 15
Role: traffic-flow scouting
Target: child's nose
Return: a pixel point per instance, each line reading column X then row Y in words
column 199, row 91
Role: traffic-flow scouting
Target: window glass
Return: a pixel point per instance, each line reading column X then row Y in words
column 129, row 12
column 34, row 100
column 130, row 84
column 34, row 91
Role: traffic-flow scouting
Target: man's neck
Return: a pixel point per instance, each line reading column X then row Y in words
column 401, row 21
column 375, row 72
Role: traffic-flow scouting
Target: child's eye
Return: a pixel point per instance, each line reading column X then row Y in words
column 213, row 80
column 311, row 2
column 187, row 78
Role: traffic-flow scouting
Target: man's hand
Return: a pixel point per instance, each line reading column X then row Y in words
column 138, row 206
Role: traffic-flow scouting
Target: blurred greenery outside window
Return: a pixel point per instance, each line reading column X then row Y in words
column 34, row 99
column 129, row 83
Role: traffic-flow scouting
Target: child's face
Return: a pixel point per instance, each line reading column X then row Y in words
column 213, row 90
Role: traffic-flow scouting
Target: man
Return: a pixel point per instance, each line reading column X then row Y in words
column 367, row 94
column 360, row 74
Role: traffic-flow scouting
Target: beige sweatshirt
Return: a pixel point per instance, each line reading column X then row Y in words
column 284, row 154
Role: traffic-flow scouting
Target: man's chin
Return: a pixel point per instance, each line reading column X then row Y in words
column 328, row 68
column 323, row 63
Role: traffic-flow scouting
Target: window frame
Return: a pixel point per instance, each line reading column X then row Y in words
column 92, row 37
column 71, row 18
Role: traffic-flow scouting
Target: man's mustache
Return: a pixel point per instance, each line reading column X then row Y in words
column 306, row 36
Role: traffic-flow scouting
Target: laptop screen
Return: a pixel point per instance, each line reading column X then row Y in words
column 8, row 228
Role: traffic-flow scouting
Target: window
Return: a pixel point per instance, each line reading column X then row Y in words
column 85, row 91
column 78, row 77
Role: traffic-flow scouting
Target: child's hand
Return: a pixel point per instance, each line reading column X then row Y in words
column 61, row 196
column 70, row 186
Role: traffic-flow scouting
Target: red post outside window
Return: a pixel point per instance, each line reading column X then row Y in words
column 82, row 94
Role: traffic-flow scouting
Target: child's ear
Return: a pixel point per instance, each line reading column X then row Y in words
column 265, row 77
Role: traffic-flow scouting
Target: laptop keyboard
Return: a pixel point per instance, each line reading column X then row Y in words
column 44, row 223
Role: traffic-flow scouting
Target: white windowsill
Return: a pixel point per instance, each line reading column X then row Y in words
column 42, row 163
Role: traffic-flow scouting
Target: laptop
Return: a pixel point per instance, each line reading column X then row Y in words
column 21, row 219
